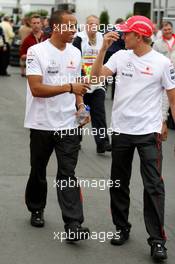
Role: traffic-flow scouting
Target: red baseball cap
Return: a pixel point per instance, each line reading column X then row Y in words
column 139, row 24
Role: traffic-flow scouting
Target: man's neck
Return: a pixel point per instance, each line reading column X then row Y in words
column 168, row 38
column 37, row 34
column 142, row 50
column 91, row 35
column 57, row 43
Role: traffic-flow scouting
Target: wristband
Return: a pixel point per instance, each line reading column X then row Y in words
column 71, row 87
column 81, row 104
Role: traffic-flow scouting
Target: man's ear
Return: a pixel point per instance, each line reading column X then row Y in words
column 138, row 36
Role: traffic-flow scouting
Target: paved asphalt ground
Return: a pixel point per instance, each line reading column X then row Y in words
column 22, row 244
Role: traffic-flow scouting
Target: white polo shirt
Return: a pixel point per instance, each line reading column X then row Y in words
column 137, row 107
column 57, row 68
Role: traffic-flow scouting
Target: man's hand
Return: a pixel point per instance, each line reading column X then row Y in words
column 80, row 88
column 109, row 38
column 164, row 132
column 24, row 57
column 86, row 120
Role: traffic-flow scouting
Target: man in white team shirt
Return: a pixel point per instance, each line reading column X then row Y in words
column 142, row 76
column 53, row 97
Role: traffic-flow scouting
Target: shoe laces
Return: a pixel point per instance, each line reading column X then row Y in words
column 38, row 215
column 160, row 247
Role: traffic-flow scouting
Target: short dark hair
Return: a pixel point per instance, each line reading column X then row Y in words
column 167, row 23
column 56, row 17
column 119, row 20
column 6, row 18
column 147, row 40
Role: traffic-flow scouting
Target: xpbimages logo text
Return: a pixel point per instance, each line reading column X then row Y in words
column 85, row 131
column 99, row 236
column 81, row 27
column 101, row 184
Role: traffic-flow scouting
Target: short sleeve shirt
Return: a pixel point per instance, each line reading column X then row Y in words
column 56, row 68
column 140, row 81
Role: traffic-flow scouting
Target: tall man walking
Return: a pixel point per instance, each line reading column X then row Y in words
column 143, row 74
column 52, row 98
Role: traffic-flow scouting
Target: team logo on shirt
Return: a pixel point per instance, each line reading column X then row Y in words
column 128, row 70
column 30, row 57
column 172, row 72
column 53, row 63
column 148, row 71
column 53, row 68
column 127, row 74
column 130, row 66
column 71, row 65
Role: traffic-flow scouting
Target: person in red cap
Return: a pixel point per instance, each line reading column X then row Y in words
column 142, row 76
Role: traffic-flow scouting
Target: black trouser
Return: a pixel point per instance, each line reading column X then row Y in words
column 96, row 101
column 2, row 62
column 150, row 151
column 4, row 59
column 42, row 144
column 170, row 121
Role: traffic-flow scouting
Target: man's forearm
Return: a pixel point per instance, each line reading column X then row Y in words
column 173, row 111
column 23, row 57
column 98, row 64
column 79, row 100
column 165, row 106
column 171, row 97
column 45, row 91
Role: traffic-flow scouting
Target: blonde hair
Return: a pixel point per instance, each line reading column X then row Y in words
column 92, row 16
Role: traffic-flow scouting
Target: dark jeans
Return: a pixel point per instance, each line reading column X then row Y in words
column 42, row 144
column 150, row 152
column 170, row 121
column 4, row 60
column 96, row 101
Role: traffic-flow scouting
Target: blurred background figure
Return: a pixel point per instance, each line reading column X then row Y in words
column 154, row 37
column 36, row 36
column 9, row 35
column 25, row 28
column 116, row 46
column 159, row 32
column 46, row 27
column 23, row 32
column 3, row 48
column 166, row 46
column 89, row 42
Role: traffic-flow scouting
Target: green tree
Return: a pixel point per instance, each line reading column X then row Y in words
column 104, row 18
column 128, row 15
column 2, row 14
column 41, row 12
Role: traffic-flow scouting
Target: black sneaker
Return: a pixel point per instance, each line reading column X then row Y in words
column 37, row 219
column 75, row 232
column 120, row 237
column 158, row 251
